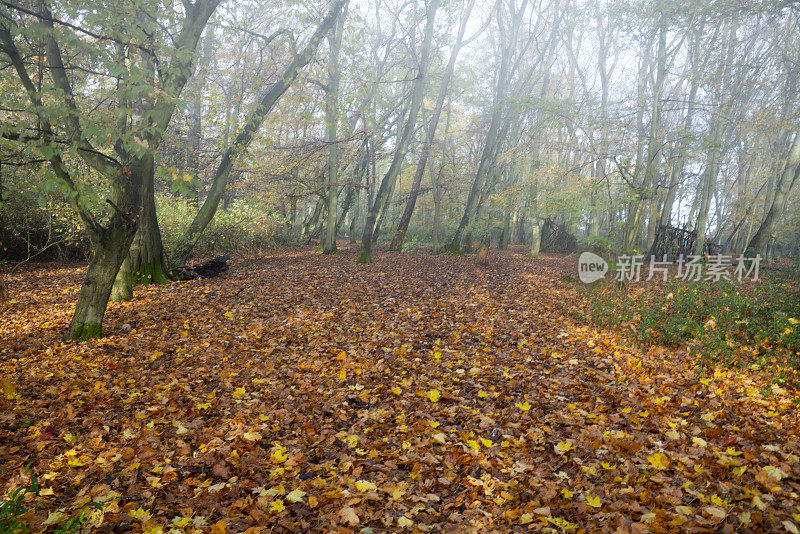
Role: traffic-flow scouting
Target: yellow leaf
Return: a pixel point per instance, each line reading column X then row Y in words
column 277, row 506
column 563, row 523
column 472, row 444
column 434, row 395
column 567, row 494
column 296, row 495
column 279, row 456
column 716, row 499
column 524, row 406
column 482, row 394
column 8, row 388
column 709, row 416
column 487, row 443
column 54, row 518
column 589, row 469
column 342, row 374
column 364, row 485
column 564, row 447
column 525, row 519
column 700, row 442
column 180, row 522
column 659, row 460
column 609, row 467
column 140, row 515
column 238, row 393
column 396, row 390
column 404, row 522
column 228, row 314
column 594, row 501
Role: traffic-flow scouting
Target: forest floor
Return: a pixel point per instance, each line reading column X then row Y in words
column 304, row 392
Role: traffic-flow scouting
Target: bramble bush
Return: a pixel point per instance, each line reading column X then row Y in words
column 242, row 228
column 725, row 323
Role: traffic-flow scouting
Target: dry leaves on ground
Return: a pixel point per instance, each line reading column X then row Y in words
column 420, row 393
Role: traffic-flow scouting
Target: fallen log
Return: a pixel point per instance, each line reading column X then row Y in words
column 207, row 269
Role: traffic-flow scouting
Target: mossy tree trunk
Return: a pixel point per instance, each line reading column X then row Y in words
column 144, row 263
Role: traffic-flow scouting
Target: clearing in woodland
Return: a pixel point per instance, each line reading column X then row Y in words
column 422, row 393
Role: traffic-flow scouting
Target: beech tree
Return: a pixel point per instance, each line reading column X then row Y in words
column 141, row 54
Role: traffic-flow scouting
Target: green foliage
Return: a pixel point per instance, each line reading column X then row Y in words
column 602, row 246
column 181, row 183
column 13, row 509
column 35, row 214
column 15, row 515
column 722, row 323
column 81, row 520
column 412, row 245
column 243, row 227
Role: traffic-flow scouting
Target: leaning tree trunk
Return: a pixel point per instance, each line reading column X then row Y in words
column 789, row 176
column 252, row 123
column 708, row 183
column 93, row 297
column 405, row 220
column 389, row 179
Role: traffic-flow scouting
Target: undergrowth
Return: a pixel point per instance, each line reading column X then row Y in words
column 725, row 323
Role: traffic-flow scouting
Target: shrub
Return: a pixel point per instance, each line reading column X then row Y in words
column 725, row 323
column 244, row 227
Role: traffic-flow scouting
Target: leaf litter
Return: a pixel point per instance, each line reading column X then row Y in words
column 420, row 393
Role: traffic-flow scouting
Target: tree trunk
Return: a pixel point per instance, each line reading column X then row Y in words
column 111, row 247
column 144, row 263
column 505, row 238
column 252, row 123
column 536, row 236
column 93, row 297
column 331, row 126
column 707, row 185
column 402, row 228
column 387, row 184
column 784, row 184
column 495, row 133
